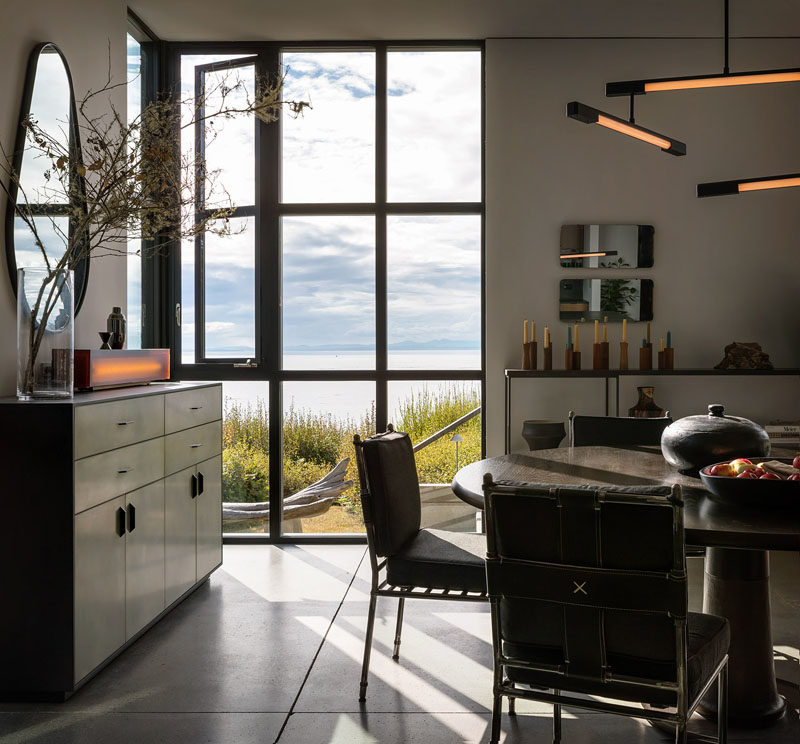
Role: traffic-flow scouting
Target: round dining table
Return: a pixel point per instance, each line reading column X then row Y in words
column 737, row 539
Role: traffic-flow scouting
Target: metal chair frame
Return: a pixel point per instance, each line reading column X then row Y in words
column 684, row 708
column 380, row 587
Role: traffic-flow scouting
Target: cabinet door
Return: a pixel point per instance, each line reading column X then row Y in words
column 180, row 532
column 144, row 557
column 99, row 584
column 209, row 516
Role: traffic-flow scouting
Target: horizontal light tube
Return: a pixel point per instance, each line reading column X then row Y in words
column 588, row 255
column 756, row 77
column 588, row 115
column 632, row 131
column 726, row 188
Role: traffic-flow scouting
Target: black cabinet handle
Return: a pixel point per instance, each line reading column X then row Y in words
column 126, row 423
column 125, row 469
column 120, row 522
column 200, row 485
column 131, row 517
column 194, row 486
column 195, row 408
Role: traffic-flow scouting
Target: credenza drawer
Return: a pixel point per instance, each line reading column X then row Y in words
column 102, row 477
column 186, row 448
column 192, row 408
column 106, row 426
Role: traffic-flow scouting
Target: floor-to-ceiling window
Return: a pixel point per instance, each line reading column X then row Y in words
column 349, row 293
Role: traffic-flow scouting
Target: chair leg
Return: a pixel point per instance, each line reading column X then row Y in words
column 398, row 629
column 362, row 693
column 556, row 721
column 681, row 733
column 722, row 706
column 512, row 706
column 497, row 709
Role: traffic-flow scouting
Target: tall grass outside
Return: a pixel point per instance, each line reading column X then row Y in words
column 314, row 443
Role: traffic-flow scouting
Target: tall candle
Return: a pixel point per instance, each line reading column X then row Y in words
column 546, row 337
column 648, row 331
column 569, row 337
column 605, row 333
column 533, row 330
column 624, row 329
column 669, row 339
column 577, row 342
column 597, row 331
column 661, row 344
column 525, row 331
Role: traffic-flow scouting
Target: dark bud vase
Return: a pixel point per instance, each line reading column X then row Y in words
column 646, row 407
column 115, row 325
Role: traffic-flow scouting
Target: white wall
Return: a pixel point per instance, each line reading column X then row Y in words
column 726, row 268
column 83, row 29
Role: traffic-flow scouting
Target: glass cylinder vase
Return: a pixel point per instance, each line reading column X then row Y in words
column 45, row 333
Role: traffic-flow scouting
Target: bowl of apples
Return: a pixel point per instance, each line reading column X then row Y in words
column 774, row 482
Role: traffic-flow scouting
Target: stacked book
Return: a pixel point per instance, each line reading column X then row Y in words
column 783, row 432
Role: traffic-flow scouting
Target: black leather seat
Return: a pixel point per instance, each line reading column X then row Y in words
column 616, row 431
column 408, row 561
column 588, row 594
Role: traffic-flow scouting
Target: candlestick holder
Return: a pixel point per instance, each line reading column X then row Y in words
column 623, row 355
column 600, row 355
column 668, row 358
column 526, row 355
column 576, row 360
column 646, row 357
column 547, row 357
column 568, row 354
column 533, row 354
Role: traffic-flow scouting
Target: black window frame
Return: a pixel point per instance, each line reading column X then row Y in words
column 268, row 213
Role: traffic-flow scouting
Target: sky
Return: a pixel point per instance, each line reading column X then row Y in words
column 328, row 267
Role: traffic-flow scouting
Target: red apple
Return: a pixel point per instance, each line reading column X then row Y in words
column 748, row 474
column 770, row 476
column 740, row 464
column 794, row 477
column 723, row 469
column 758, row 472
column 796, row 462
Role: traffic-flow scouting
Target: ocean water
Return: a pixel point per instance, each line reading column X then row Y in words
column 343, row 400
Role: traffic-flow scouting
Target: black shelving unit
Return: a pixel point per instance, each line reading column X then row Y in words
column 615, row 374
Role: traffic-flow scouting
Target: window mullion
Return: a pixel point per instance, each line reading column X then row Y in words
column 381, row 320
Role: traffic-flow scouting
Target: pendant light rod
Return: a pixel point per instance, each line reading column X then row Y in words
column 690, row 82
column 742, row 185
column 588, row 115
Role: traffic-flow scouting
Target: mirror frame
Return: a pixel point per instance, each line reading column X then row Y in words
column 82, row 269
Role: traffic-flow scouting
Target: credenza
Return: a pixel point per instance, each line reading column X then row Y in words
column 110, row 515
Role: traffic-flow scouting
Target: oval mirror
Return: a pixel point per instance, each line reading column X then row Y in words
column 45, row 202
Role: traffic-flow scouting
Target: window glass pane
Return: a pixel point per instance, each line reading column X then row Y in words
column 230, row 291
column 229, row 141
column 434, row 291
column 434, row 126
column 329, row 153
column 187, row 92
column 319, row 421
column 245, row 456
column 422, row 408
column 134, row 259
column 328, row 292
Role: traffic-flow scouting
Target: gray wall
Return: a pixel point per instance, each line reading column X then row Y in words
column 83, row 29
column 725, row 269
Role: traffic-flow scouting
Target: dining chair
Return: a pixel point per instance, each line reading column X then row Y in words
column 616, row 431
column 409, row 562
column 588, row 596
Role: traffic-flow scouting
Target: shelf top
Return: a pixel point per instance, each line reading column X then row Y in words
column 100, row 396
column 611, row 373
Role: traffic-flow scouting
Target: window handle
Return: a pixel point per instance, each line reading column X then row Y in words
column 249, row 364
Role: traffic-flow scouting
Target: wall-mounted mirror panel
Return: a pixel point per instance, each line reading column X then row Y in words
column 596, row 299
column 51, row 202
column 606, row 246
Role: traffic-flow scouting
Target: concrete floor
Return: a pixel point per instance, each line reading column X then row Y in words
column 270, row 649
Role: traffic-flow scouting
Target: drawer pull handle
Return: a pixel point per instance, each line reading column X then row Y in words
column 194, row 486
column 196, row 445
column 120, row 522
column 125, row 423
column 200, row 484
column 126, row 469
column 131, row 517
column 195, row 408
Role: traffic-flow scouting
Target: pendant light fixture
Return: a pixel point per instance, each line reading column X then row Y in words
column 725, row 79
column 588, row 115
column 725, row 188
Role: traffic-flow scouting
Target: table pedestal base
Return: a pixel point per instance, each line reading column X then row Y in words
column 736, row 586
